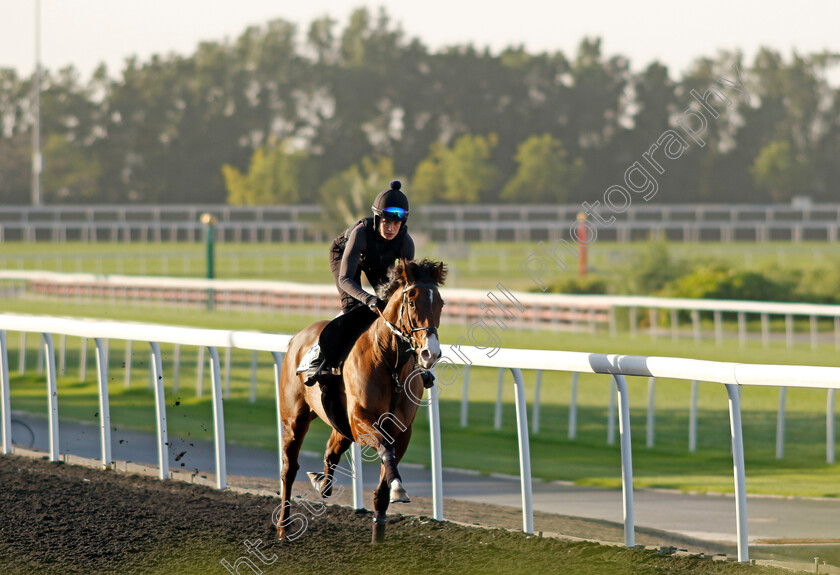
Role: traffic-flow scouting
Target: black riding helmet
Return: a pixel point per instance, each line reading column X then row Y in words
column 391, row 205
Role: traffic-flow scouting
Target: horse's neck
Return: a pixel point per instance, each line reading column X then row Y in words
column 383, row 342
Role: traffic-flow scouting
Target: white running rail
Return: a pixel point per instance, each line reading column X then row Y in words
column 731, row 375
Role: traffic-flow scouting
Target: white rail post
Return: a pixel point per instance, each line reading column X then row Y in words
column 524, row 452
column 633, row 326
column 653, row 319
column 780, row 424
column 52, row 395
column 358, row 484
column 814, row 332
column 829, row 427
column 692, row 419
column 651, row 414
column 465, row 402
column 199, row 380
column 227, row 372
column 837, row 333
column 160, row 411
column 613, row 325
column 573, row 407
column 253, row 398
column 22, row 354
column 675, row 326
column 218, row 419
column 83, row 360
column 128, row 363
column 278, row 366
column 176, row 368
column 104, row 407
column 765, row 330
column 535, row 415
column 611, row 416
column 497, row 419
column 789, row 330
column 718, row 327
column 742, row 328
column 5, row 404
column 626, row 460
column 437, row 469
column 695, row 325
column 739, row 472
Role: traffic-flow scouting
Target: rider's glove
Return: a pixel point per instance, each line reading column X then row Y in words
column 375, row 304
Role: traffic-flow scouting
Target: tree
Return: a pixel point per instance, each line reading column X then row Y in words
column 15, row 168
column 348, row 196
column 428, row 181
column 461, row 175
column 780, row 173
column 544, row 174
column 275, row 176
column 71, row 176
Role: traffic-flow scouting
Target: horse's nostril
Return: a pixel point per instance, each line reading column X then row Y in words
column 425, row 355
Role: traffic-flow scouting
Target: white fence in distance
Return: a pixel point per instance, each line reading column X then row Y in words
column 547, row 311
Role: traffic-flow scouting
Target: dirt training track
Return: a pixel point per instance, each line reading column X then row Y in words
column 65, row 519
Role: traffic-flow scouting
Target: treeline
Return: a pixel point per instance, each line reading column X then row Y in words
column 330, row 114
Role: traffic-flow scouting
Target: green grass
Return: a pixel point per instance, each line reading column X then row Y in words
column 586, row 460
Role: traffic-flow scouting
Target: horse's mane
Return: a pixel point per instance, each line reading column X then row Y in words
column 424, row 271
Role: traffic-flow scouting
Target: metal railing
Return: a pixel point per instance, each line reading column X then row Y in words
column 127, row 223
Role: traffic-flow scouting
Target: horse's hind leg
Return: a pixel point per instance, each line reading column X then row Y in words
column 293, row 433
column 336, row 446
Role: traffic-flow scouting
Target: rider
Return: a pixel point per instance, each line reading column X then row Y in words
column 371, row 245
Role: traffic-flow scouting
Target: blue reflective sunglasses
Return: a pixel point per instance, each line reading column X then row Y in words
column 394, row 213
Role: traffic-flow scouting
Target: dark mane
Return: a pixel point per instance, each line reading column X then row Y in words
column 424, row 271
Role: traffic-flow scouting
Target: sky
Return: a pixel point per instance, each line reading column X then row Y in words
column 87, row 32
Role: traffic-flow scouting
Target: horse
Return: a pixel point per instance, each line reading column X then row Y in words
column 382, row 388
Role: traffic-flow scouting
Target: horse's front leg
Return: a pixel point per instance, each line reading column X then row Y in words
column 390, row 488
column 381, row 500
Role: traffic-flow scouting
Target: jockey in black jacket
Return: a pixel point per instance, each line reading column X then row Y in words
column 371, row 245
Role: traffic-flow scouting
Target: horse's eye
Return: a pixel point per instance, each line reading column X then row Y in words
column 410, row 303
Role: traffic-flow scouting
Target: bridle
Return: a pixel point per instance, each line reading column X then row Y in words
column 408, row 337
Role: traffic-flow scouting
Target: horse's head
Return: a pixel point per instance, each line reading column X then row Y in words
column 415, row 304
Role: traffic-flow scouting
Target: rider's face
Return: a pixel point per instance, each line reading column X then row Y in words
column 389, row 229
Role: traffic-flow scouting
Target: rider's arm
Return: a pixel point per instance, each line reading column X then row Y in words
column 356, row 244
column 407, row 250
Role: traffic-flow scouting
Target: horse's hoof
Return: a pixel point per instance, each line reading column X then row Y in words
column 379, row 524
column 398, row 492
column 318, row 481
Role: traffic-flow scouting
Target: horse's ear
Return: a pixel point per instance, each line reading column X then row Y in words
column 405, row 271
column 440, row 273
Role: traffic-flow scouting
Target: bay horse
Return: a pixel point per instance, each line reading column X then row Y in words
column 382, row 388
